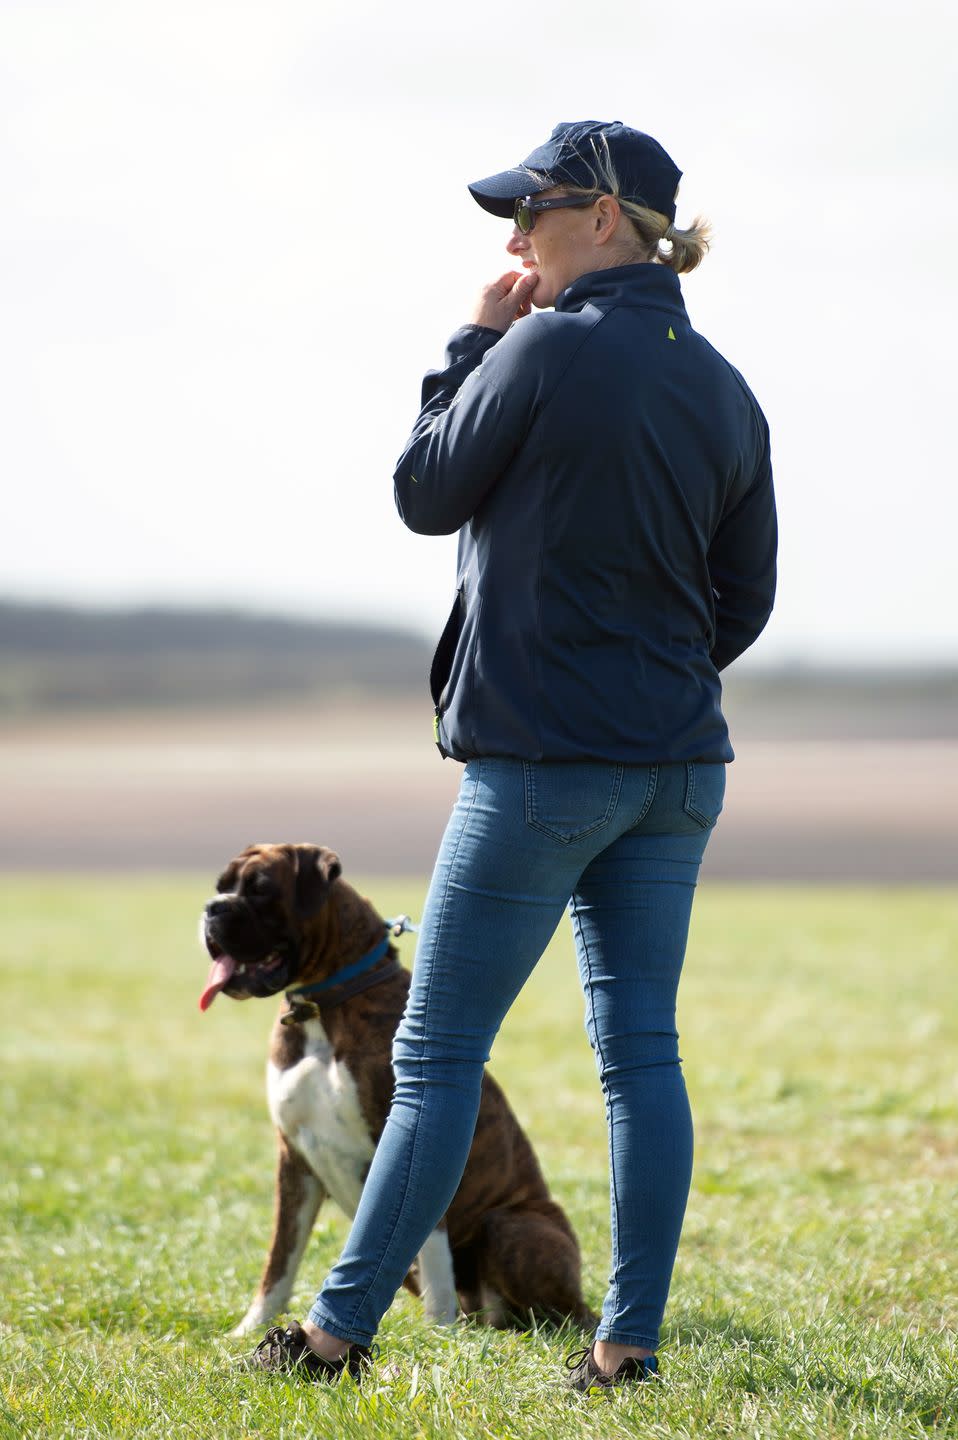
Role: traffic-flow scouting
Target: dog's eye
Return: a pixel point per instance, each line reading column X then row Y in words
column 263, row 887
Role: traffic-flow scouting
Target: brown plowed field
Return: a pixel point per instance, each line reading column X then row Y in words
column 187, row 791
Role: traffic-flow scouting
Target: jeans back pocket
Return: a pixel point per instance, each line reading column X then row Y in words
column 569, row 799
column 704, row 791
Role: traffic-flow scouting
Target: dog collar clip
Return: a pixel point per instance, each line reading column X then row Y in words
column 402, row 925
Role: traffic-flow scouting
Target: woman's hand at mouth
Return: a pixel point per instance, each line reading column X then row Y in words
column 505, row 300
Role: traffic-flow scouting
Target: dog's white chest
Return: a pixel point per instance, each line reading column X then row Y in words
column 316, row 1105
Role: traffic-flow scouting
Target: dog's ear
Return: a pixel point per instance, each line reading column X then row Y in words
column 316, row 869
column 227, row 880
column 231, row 874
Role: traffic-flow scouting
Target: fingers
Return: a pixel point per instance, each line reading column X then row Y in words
column 523, row 288
column 505, row 300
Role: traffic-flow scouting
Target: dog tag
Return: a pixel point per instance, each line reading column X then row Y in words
column 299, row 1010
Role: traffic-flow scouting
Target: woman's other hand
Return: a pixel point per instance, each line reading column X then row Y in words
column 505, row 300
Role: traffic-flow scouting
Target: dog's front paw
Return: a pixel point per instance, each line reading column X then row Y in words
column 254, row 1319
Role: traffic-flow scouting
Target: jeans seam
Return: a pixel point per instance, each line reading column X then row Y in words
column 405, row 1191
column 613, row 1196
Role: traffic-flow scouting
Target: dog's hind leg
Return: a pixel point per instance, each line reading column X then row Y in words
column 529, row 1263
column 299, row 1195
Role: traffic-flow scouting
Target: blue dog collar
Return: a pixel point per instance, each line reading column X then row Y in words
column 359, row 967
column 365, row 962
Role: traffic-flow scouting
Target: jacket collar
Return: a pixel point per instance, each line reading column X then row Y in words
column 648, row 284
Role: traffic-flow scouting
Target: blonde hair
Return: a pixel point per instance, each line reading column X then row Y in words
column 655, row 235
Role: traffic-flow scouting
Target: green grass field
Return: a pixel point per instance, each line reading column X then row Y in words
column 815, row 1292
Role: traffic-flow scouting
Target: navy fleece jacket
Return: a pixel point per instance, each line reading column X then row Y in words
column 609, row 474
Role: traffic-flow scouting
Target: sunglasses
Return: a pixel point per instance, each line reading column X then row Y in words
column 524, row 215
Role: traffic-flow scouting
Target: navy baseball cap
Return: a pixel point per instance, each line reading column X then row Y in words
column 647, row 175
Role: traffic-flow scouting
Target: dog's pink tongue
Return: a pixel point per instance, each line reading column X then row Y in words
column 220, row 972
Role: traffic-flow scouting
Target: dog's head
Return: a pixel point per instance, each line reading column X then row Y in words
column 253, row 925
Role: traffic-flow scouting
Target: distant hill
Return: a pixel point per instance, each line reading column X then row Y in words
column 804, row 702
column 57, row 658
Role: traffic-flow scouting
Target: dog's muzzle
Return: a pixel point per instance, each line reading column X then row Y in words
column 245, row 962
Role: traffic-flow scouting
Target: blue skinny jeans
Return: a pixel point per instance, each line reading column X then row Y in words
column 620, row 846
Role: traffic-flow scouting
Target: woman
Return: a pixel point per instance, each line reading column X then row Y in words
column 609, row 475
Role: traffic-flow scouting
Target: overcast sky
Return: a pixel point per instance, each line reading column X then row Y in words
column 235, row 235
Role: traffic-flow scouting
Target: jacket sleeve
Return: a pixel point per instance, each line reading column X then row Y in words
column 742, row 566
column 475, row 414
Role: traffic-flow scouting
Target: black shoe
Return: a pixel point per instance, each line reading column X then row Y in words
column 286, row 1352
column 587, row 1376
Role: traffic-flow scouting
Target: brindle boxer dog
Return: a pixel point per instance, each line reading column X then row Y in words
column 284, row 919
